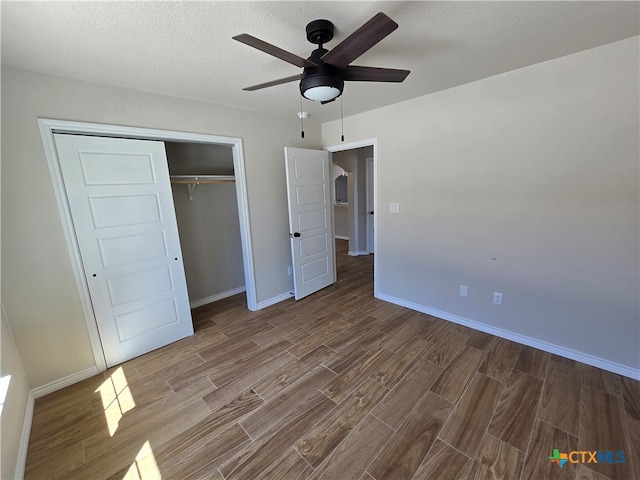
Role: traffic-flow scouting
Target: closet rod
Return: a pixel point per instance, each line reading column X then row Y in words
column 202, row 179
column 191, row 181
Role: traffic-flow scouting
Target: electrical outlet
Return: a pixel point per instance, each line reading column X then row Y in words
column 497, row 298
column 394, row 208
column 463, row 290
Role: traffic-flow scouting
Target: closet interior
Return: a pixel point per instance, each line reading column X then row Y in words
column 204, row 195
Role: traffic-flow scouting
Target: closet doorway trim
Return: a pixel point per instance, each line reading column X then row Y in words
column 49, row 126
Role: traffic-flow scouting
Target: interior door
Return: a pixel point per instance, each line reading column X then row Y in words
column 121, row 205
column 310, row 219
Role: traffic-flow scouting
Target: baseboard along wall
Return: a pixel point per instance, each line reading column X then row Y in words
column 521, row 339
column 216, row 297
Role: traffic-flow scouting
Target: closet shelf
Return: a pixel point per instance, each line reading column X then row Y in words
column 191, row 181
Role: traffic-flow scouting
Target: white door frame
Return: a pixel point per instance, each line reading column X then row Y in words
column 49, row 126
column 370, row 205
column 370, row 142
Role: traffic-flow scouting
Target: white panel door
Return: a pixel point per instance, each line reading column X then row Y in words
column 122, row 209
column 310, row 220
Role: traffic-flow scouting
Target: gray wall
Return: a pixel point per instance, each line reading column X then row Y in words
column 202, row 158
column 38, row 288
column 525, row 183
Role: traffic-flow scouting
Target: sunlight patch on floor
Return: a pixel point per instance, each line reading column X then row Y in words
column 145, row 466
column 116, row 399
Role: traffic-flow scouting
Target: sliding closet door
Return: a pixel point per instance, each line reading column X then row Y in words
column 122, row 209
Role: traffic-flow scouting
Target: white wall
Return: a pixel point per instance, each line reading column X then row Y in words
column 15, row 403
column 38, row 288
column 525, row 183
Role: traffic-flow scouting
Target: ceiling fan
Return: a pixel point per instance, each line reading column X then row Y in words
column 326, row 71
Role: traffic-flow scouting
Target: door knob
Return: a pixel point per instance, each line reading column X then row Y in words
column 371, row 212
column 296, row 234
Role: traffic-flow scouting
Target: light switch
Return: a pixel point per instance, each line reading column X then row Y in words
column 394, row 208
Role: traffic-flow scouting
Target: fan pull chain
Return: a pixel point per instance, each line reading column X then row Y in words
column 301, row 119
column 342, row 118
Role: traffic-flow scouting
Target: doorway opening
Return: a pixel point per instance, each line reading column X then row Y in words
column 354, row 219
column 353, row 207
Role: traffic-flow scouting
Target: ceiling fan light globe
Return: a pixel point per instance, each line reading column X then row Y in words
column 321, row 86
column 322, row 93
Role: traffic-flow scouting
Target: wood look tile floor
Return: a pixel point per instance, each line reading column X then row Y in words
column 337, row 386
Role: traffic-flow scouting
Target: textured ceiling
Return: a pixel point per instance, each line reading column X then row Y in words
column 184, row 49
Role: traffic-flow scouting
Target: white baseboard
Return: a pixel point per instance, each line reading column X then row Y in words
column 21, row 461
column 340, row 237
column 274, row 300
column 64, row 382
column 358, row 252
column 516, row 337
column 216, row 297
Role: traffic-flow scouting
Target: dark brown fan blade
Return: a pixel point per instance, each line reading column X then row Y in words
column 273, row 50
column 355, row 73
column 360, row 41
column 292, row 78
